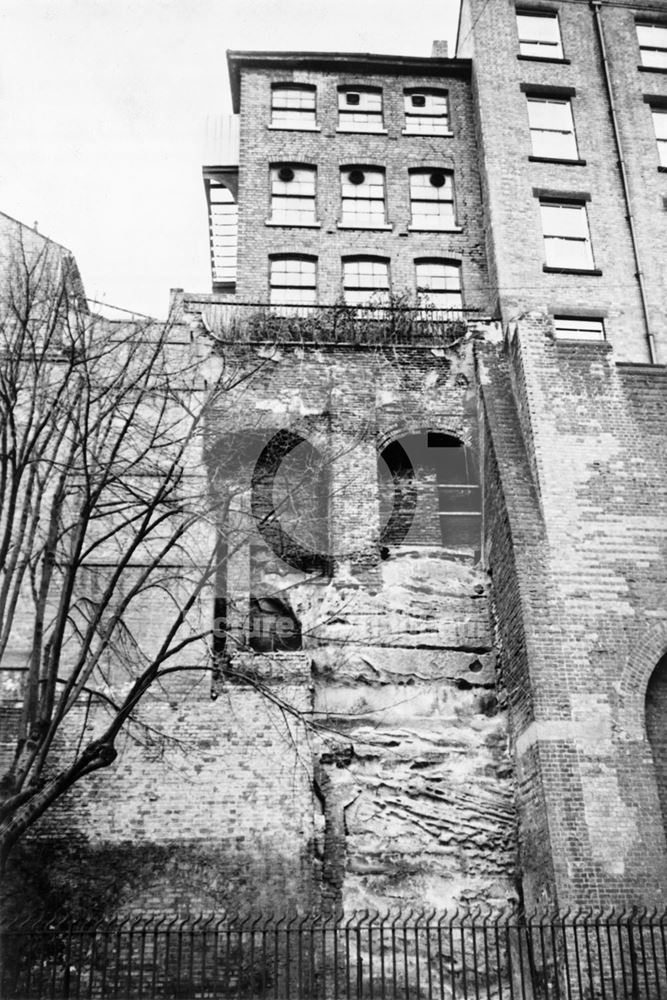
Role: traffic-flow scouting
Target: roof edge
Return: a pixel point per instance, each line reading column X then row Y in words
column 350, row 61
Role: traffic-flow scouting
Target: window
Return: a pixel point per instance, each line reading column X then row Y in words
column 432, row 199
column 578, row 328
column 552, row 128
column 426, row 112
column 660, row 126
column 360, row 109
column 429, row 493
column 567, row 241
column 223, row 222
column 293, row 195
column 438, row 284
column 652, row 40
column 293, row 281
column 539, row 35
column 362, row 195
column 365, row 279
column 292, row 105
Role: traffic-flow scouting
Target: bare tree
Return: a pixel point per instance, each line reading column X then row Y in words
column 104, row 513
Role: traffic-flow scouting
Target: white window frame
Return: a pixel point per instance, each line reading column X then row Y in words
column 293, row 280
column 293, row 200
column 296, row 112
column 223, row 227
column 366, row 281
column 566, row 231
column 551, row 121
column 534, row 41
column 659, row 116
column 438, row 284
column 652, row 41
column 365, row 115
column 432, row 118
column 432, row 204
column 363, row 202
column 579, row 328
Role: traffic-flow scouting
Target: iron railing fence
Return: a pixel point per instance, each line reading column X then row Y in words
column 364, row 956
column 340, row 324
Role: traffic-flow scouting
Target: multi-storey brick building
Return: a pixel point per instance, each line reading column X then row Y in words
column 441, row 283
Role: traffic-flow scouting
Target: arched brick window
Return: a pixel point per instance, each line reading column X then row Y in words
column 656, row 729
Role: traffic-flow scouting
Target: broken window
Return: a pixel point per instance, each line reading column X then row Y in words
column 426, row 112
column 293, row 195
column 429, row 493
column 432, row 199
column 360, row 109
column 362, row 197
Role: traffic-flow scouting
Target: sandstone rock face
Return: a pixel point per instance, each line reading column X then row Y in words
column 419, row 809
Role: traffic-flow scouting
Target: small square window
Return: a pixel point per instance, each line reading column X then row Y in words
column 567, row 241
column 578, row 328
column 539, row 35
column 360, row 110
column 652, row 40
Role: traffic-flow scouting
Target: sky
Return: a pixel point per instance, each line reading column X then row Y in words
column 103, row 105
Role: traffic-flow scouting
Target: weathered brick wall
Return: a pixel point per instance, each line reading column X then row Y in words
column 488, row 34
column 329, row 149
column 593, row 594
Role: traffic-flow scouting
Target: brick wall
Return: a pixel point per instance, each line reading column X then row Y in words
column 329, row 149
column 488, row 34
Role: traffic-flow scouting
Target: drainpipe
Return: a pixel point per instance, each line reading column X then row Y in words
column 595, row 6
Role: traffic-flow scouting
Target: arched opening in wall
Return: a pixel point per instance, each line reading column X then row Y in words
column 656, row 729
column 429, row 493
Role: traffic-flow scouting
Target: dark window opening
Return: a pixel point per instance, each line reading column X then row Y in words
column 429, row 493
column 656, row 730
column 273, row 627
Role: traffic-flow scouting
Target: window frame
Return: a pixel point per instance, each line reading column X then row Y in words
column 301, row 120
column 297, row 196
column 533, row 98
column 373, row 121
column 660, row 110
column 561, row 323
column 429, row 119
column 567, row 204
column 448, row 224
column 298, row 287
column 643, row 48
column 374, row 290
column 556, row 54
column 449, row 267
column 351, row 220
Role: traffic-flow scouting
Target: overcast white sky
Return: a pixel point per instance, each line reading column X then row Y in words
column 102, row 112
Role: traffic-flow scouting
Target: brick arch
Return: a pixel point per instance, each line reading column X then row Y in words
column 656, row 729
column 635, row 678
column 396, row 431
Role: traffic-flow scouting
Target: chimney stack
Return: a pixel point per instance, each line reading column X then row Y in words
column 439, row 50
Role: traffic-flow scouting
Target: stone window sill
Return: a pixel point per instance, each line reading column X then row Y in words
column 430, row 135
column 294, row 225
column 544, row 59
column 362, row 131
column 557, row 159
column 435, row 229
column 593, row 271
column 294, row 128
column 356, row 225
